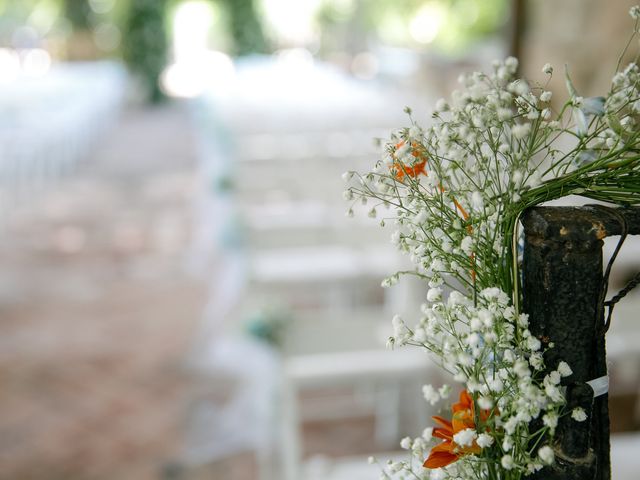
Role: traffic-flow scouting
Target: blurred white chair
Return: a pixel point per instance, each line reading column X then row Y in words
column 381, row 372
column 244, row 422
column 625, row 461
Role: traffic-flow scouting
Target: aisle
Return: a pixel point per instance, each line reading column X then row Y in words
column 97, row 310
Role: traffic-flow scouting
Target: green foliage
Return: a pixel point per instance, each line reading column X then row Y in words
column 144, row 45
column 78, row 12
column 245, row 27
column 463, row 21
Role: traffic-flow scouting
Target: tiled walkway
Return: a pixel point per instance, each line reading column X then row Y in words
column 97, row 310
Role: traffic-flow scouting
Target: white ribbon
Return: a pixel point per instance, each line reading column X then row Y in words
column 599, row 385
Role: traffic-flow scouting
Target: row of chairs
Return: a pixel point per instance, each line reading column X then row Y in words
column 49, row 123
column 276, row 215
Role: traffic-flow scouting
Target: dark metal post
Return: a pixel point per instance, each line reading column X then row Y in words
column 562, row 282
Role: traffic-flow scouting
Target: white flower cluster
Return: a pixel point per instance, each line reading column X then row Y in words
column 455, row 191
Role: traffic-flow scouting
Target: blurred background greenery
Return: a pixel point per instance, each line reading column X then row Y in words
column 142, row 32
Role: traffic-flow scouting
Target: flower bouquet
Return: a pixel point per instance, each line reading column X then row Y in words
column 455, row 192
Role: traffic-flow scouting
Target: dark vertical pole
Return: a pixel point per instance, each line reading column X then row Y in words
column 516, row 28
column 562, row 281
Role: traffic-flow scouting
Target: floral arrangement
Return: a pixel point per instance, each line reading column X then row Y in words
column 455, row 192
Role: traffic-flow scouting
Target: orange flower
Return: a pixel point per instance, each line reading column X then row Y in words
column 400, row 169
column 449, row 451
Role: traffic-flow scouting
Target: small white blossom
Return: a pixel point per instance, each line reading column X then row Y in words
column 634, row 12
column 553, row 378
column 398, row 325
column 533, row 344
column 466, row 245
column 578, row 414
column 507, row 462
column 521, row 130
column 415, row 132
column 430, row 394
column 395, row 467
column 545, row 96
column 547, row 69
column 476, row 324
column 485, row 403
column 427, row 434
column 521, row 368
column 536, row 360
column 484, row 440
column 405, row 443
column 434, row 294
column 437, row 474
column 477, row 201
column 546, row 454
column 564, row 369
column 420, row 335
column 496, row 385
column 550, row 420
column 465, row 437
column 473, row 339
column 445, row 391
column 510, row 426
column 553, row 393
column 442, row 105
column 507, row 443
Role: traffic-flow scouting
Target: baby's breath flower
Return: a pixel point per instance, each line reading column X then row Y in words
column 434, row 294
column 578, row 414
column 521, row 130
column 444, row 391
column 634, row 12
column 496, row 384
column 564, row 369
column 437, row 474
column 454, row 191
column 507, row 462
column 430, row 394
column 465, row 437
column 550, row 420
column 546, row 454
column 484, row 440
column 442, row 105
column 485, row 403
column 533, row 344
column 348, row 194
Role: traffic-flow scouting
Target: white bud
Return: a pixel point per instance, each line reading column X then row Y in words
column 546, row 454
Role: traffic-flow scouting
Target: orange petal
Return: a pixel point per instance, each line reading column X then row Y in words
column 443, row 422
column 461, row 420
column 465, row 402
column 438, row 458
column 443, row 433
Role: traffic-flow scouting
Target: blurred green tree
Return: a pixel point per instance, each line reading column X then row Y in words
column 145, row 43
column 245, row 27
column 78, row 12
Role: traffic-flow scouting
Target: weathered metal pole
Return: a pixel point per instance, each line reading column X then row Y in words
column 562, row 285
